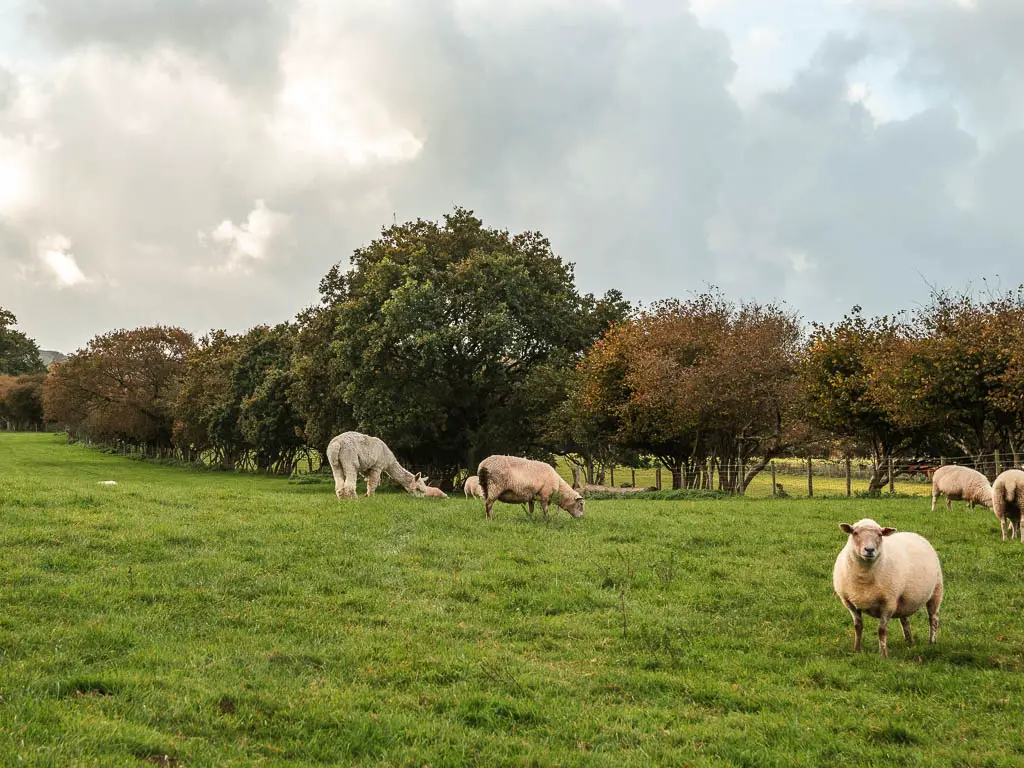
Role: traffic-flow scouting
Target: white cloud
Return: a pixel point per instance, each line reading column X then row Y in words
column 239, row 245
column 54, row 252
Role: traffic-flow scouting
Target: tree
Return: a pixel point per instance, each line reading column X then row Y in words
column 18, row 353
column 121, row 387
column 698, row 380
column 234, row 400
column 450, row 341
column 841, row 369
column 21, row 402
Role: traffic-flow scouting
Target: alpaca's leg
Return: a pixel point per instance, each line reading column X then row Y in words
column 339, row 480
column 372, row 481
column 349, row 471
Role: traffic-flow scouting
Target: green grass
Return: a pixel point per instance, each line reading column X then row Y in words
column 234, row 620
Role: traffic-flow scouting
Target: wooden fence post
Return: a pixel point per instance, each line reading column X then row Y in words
column 657, row 478
column 997, row 462
column 774, row 491
column 613, row 475
column 810, row 479
column 632, row 474
column 711, row 474
column 848, row 477
column 892, row 486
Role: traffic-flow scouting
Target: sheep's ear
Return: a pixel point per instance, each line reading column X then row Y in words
column 846, row 528
column 425, row 479
column 417, row 476
column 888, row 531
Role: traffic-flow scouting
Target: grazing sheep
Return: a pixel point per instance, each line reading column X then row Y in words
column 435, row 493
column 884, row 574
column 961, row 484
column 472, row 487
column 1008, row 501
column 513, row 480
column 352, row 452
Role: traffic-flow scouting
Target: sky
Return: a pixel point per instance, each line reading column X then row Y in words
column 203, row 164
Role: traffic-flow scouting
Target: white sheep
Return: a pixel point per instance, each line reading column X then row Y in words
column 513, row 480
column 472, row 487
column 352, row 453
column 884, row 574
column 1008, row 501
column 961, row 484
column 435, row 493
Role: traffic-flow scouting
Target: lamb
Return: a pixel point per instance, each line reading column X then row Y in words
column 961, row 484
column 885, row 574
column 435, row 493
column 352, row 452
column 513, row 480
column 1008, row 501
column 472, row 487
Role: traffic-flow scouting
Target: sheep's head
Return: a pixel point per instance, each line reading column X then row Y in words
column 419, row 485
column 435, row 493
column 574, row 505
column 866, row 538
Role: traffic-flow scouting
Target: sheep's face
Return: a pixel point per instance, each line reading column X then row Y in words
column 866, row 538
column 575, row 507
column 419, row 486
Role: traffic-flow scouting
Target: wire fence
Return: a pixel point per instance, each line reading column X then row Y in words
column 805, row 478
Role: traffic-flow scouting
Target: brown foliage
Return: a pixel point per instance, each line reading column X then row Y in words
column 121, row 386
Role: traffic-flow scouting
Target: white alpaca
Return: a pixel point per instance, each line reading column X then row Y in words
column 352, row 453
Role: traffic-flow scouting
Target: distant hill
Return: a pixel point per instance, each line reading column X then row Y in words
column 49, row 356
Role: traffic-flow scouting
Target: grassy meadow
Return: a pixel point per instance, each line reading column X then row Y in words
column 202, row 618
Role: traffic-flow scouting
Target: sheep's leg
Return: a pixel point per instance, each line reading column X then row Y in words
column 905, row 622
column 372, row 481
column 935, row 495
column 488, row 503
column 932, row 606
column 530, row 504
column 949, row 504
column 858, row 625
column 883, row 636
column 544, row 507
column 1002, row 527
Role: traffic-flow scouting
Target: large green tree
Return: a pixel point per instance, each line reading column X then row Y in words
column 18, row 353
column 449, row 340
column 234, row 404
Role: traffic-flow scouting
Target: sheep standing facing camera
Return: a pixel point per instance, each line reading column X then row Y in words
column 886, row 574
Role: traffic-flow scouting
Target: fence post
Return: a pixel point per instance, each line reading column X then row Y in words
column 632, row 474
column 997, row 461
column 848, row 477
column 810, row 479
column 774, row 492
column 942, row 461
column 711, row 474
column 892, row 487
column 613, row 475
column 657, row 478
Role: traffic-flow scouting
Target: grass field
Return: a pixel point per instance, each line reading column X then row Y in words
column 200, row 618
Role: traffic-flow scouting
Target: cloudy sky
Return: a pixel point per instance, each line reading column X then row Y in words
column 202, row 163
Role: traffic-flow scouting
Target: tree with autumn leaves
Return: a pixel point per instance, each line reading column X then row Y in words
column 709, row 387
